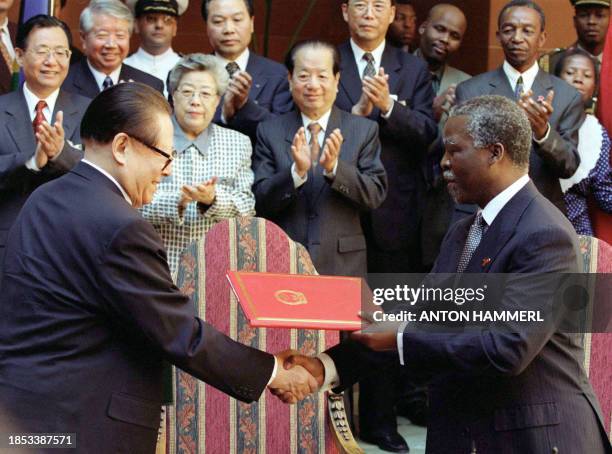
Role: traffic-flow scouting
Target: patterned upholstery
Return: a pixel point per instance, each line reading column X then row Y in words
column 205, row 420
column 597, row 258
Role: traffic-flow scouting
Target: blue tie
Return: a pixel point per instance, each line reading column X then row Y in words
column 108, row 82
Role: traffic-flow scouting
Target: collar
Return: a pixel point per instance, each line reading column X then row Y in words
column 242, row 60
column 32, row 100
column 529, row 76
column 182, row 143
column 141, row 53
column 110, row 177
column 358, row 52
column 100, row 76
column 323, row 120
column 596, row 57
column 495, row 205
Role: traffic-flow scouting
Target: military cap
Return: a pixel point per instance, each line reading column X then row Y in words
column 170, row 7
column 605, row 3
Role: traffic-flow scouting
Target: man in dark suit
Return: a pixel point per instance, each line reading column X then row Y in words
column 8, row 30
column 318, row 168
column 554, row 107
column 88, row 309
column 258, row 88
column 517, row 388
column 393, row 88
column 40, row 122
column 105, row 28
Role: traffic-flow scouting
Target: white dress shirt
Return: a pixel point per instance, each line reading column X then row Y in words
column 489, row 213
column 100, row 76
column 156, row 65
column 323, row 120
column 241, row 61
column 5, row 37
column 31, row 101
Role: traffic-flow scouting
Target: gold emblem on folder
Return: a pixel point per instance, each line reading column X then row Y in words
column 290, row 297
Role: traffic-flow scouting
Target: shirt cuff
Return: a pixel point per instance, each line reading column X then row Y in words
column 31, row 164
column 298, row 180
column 273, row 371
column 332, row 379
column 331, row 174
column 543, row 139
column 388, row 114
column 400, row 342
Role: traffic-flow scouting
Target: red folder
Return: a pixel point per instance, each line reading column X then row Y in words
column 298, row 301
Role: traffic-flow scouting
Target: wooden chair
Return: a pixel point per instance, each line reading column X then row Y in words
column 204, row 420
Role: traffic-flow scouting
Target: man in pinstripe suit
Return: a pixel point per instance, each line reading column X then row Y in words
column 318, row 168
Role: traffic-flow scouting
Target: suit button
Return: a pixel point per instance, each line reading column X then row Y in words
column 255, row 102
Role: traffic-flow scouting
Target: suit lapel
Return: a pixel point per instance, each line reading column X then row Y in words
column 499, row 84
column 542, row 84
column 319, row 180
column 503, row 227
column 392, row 66
column 18, row 123
column 350, row 81
column 71, row 113
column 85, row 80
column 254, row 68
column 453, row 247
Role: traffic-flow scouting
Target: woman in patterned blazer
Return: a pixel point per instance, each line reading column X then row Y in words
column 211, row 175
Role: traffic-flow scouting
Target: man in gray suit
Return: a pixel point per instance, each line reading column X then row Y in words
column 40, row 122
column 554, row 108
column 318, row 168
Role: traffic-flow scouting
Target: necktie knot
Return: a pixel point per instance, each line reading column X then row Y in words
column 108, row 82
column 232, row 68
column 38, row 117
column 520, row 87
column 369, row 70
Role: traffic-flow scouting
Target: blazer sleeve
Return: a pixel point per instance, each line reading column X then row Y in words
column 251, row 114
column 559, row 150
column 136, row 286
column 413, row 121
column 274, row 189
column 365, row 183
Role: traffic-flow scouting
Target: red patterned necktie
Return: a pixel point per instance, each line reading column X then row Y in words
column 39, row 117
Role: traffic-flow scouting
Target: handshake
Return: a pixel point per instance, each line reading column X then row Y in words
column 296, row 377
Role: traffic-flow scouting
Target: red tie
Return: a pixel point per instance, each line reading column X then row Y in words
column 39, row 118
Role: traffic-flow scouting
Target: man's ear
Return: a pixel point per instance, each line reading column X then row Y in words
column 119, row 146
column 497, row 152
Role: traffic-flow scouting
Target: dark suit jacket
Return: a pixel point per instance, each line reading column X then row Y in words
column 80, row 80
column 322, row 214
column 404, row 138
column 503, row 391
column 557, row 157
column 269, row 96
column 89, row 311
column 17, row 146
column 6, row 72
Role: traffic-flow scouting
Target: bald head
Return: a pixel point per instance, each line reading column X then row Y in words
column 442, row 34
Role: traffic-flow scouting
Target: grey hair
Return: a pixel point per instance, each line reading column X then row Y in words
column 113, row 8
column 497, row 119
column 199, row 62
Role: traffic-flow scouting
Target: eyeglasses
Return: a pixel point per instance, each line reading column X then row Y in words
column 169, row 156
column 60, row 54
column 188, row 93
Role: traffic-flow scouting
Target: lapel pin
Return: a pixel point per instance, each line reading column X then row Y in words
column 485, row 262
column 541, row 99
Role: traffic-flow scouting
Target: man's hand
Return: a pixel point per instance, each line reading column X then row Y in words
column 378, row 336
column 443, row 103
column 204, row 193
column 312, row 364
column 377, row 90
column 300, row 151
column 50, row 140
column 331, row 150
column 364, row 106
column 237, row 94
column 291, row 384
column 538, row 112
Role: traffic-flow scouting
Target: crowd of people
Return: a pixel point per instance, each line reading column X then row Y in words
column 349, row 149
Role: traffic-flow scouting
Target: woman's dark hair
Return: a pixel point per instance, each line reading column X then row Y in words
column 129, row 107
column 572, row 53
column 39, row 21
